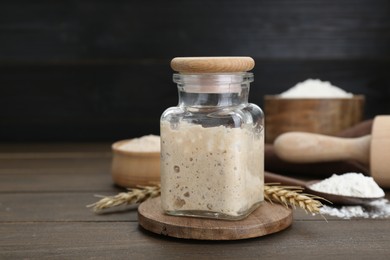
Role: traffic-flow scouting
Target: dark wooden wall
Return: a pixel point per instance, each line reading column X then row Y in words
column 92, row 70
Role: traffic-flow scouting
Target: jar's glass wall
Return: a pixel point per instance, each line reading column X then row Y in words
column 212, row 147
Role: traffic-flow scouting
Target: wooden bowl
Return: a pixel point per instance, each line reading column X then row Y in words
column 327, row 116
column 130, row 169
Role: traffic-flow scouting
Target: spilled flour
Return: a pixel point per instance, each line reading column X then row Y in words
column 356, row 185
column 376, row 209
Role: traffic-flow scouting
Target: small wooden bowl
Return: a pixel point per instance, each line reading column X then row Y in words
column 130, row 169
column 327, row 116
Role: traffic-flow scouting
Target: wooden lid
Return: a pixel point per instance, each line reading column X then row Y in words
column 212, row 64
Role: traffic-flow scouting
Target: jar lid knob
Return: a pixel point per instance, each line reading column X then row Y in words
column 212, row 64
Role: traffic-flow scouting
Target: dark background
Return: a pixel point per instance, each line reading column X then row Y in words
column 99, row 70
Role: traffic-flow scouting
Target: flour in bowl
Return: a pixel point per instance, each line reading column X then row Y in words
column 147, row 143
column 315, row 88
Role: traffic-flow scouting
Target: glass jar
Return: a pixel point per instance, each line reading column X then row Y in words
column 212, row 145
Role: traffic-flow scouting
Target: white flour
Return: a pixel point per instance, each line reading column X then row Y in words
column 376, row 209
column 315, row 88
column 350, row 184
column 357, row 185
column 147, row 143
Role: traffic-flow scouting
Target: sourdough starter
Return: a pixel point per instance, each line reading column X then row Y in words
column 214, row 169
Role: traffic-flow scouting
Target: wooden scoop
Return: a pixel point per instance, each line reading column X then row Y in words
column 373, row 150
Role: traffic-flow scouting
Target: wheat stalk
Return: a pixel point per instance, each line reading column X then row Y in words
column 133, row 196
column 285, row 195
column 293, row 196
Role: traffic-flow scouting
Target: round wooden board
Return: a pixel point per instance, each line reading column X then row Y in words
column 266, row 219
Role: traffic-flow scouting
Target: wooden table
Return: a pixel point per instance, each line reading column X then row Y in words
column 44, row 190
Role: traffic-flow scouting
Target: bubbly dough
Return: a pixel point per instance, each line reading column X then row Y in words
column 213, row 169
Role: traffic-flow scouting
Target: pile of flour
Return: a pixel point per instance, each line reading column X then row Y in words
column 350, row 184
column 356, row 185
column 147, row 143
column 315, row 88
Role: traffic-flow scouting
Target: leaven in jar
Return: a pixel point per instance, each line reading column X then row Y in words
column 212, row 143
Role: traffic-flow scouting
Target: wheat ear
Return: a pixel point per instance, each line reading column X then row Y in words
column 293, row 196
column 285, row 195
column 133, row 196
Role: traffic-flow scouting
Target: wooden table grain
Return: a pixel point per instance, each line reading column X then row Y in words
column 44, row 190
